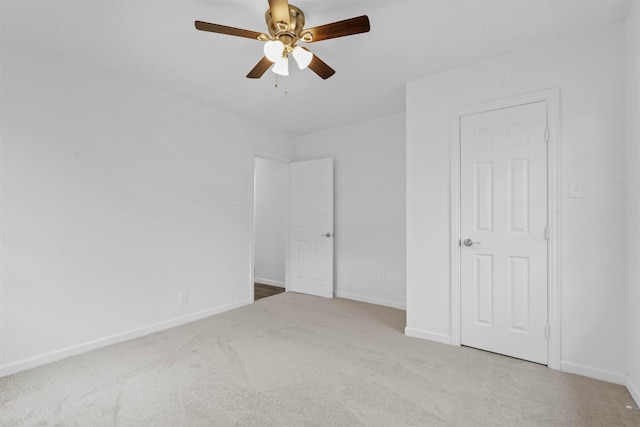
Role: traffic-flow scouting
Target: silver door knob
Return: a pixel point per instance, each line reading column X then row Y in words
column 469, row 242
column 327, row 235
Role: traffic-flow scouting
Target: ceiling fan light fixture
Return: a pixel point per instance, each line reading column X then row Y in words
column 285, row 28
column 281, row 66
column 302, row 56
column 273, row 50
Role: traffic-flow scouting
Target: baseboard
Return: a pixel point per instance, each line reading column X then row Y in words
column 591, row 372
column 634, row 391
column 54, row 356
column 376, row 301
column 269, row 282
column 426, row 335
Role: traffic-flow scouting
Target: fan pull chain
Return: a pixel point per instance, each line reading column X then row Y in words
column 286, row 85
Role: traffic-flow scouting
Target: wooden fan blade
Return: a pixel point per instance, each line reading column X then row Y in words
column 319, row 67
column 347, row 27
column 279, row 11
column 223, row 29
column 260, row 68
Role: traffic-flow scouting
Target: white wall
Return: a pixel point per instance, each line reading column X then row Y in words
column 588, row 69
column 271, row 221
column 369, row 206
column 633, row 198
column 115, row 198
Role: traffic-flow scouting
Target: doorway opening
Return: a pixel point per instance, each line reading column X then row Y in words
column 271, row 224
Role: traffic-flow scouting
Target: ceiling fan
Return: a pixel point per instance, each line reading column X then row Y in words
column 286, row 28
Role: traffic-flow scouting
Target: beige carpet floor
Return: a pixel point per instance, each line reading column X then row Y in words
column 297, row 360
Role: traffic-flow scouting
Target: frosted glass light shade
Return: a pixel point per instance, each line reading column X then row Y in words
column 302, row 56
column 273, row 50
column 281, row 66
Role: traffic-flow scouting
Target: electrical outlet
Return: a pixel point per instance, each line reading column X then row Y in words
column 381, row 275
column 183, row 298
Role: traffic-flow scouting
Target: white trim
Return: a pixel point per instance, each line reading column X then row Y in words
column 431, row 336
column 376, row 301
column 591, row 372
column 634, row 391
column 269, row 282
column 554, row 208
column 455, row 140
column 56, row 355
column 271, row 156
column 2, row 240
column 552, row 97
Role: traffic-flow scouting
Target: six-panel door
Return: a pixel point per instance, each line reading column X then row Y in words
column 311, row 230
column 504, row 217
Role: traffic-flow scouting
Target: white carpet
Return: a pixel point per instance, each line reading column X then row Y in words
column 297, row 360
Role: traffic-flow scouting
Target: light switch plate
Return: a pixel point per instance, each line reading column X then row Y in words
column 576, row 189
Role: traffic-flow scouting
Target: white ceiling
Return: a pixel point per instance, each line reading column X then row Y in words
column 155, row 41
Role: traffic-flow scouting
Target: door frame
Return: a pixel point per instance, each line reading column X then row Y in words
column 552, row 97
column 280, row 159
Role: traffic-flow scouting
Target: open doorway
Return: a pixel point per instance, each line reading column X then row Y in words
column 271, row 224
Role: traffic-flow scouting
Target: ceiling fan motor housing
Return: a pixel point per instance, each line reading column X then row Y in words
column 290, row 34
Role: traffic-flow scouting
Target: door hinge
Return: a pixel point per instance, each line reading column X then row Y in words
column 547, row 331
column 547, row 234
column 546, row 135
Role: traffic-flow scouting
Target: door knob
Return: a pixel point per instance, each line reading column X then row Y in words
column 469, row 242
column 328, row 235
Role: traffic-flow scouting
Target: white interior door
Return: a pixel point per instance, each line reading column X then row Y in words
column 311, row 233
column 504, row 231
